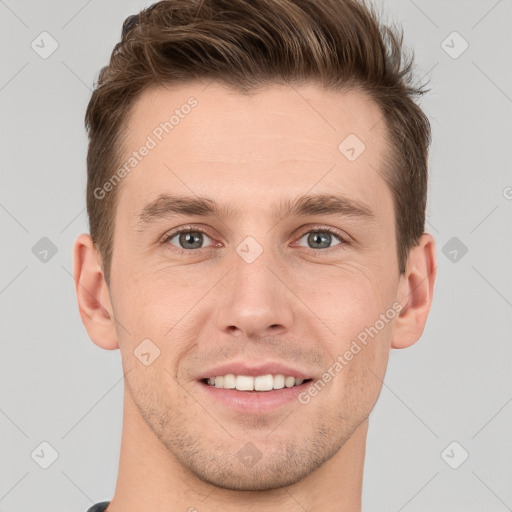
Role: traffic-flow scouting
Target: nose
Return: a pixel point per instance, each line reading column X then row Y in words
column 254, row 300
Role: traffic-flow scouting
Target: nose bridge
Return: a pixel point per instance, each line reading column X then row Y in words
column 254, row 301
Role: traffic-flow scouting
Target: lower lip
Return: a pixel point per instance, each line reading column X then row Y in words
column 255, row 402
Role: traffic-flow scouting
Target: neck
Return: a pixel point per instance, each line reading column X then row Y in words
column 151, row 478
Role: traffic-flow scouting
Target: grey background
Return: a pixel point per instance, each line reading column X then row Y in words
column 453, row 385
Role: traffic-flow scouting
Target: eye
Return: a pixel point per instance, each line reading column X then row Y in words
column 321, row 238
column 188, row 238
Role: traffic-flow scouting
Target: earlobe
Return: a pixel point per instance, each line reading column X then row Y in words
column 416, row 292
column 93, row 294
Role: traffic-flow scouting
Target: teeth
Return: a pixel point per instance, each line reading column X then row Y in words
column 244, row 383
column 259, row 383
column 229, row 381
column 264, row 383
column 289, row 382
column 278, row 381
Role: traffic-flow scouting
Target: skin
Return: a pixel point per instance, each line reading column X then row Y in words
column 208, row 306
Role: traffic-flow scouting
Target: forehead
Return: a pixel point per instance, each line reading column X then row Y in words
column 282, row 141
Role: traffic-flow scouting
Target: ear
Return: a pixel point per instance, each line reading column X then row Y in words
column 415, row 293
column 93, row 294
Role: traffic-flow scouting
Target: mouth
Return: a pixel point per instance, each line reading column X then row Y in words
column 255, row 387
column 248, row 395
column 254, row 384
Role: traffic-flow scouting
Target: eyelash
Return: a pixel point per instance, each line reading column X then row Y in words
column 193, row 229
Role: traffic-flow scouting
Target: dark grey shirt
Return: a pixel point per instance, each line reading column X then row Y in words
column 99, row 507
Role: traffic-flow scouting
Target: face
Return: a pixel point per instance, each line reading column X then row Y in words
column 256, row 282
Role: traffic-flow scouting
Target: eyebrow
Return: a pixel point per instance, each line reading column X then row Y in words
column 166, row 206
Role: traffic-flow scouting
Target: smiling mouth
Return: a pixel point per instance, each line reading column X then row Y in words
column 259, row 384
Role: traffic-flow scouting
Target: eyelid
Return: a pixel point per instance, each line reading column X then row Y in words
column 344, row 238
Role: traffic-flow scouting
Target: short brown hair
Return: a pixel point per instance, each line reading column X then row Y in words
column 247, row 44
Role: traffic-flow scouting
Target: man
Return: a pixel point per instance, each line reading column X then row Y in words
column 257, row 179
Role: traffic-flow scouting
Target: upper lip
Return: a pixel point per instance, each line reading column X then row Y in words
column 255, row 369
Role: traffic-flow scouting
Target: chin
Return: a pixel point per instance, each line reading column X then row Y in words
column 277, row 465
column 245, row 479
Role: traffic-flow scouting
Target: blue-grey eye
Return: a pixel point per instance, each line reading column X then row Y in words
column 189, row 239
column 320, row 239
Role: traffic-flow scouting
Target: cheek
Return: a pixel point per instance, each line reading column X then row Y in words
column 150, row 297
column 359, row 368
column 149, row 312
column 347, row 298
column 351, row 304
